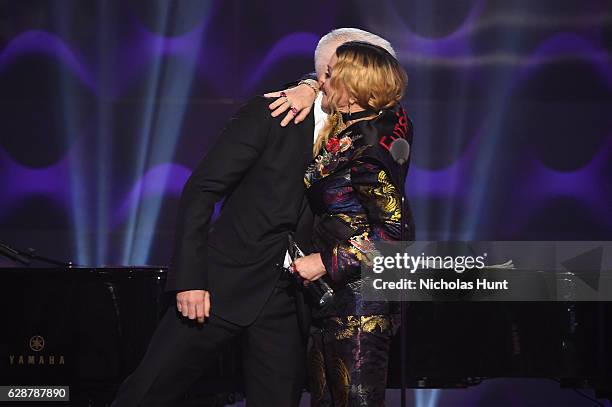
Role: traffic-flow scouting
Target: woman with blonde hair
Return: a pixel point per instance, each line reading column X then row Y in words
column 354, row 188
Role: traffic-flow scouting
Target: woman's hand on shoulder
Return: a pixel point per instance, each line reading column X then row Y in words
column 310, row 267
column 298, row 101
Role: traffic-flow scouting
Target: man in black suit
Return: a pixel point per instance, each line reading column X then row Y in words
column 227, row 274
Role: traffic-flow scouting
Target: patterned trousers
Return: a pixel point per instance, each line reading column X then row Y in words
column 348, row 360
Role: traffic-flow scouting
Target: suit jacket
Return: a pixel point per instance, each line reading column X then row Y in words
column 257, row 167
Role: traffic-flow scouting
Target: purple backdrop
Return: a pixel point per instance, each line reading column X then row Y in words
column 107, row 106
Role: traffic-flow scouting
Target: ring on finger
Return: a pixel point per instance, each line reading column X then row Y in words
column 294, row 111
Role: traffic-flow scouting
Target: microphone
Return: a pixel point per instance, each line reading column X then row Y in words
column 400, row 150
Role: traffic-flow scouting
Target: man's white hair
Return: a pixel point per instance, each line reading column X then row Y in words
column 339, row 36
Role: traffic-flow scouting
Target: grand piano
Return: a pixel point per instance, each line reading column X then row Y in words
column 89, row 327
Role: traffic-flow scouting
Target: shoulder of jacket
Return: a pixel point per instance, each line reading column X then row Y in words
column 257, row 102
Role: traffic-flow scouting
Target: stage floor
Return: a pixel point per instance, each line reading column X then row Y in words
column 490, row 393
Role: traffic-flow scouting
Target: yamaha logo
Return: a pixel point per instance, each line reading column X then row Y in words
column 37, row 343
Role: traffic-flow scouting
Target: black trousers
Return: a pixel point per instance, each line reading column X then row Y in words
column 272, row 348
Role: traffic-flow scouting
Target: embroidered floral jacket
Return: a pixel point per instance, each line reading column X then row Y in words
column 354, row 188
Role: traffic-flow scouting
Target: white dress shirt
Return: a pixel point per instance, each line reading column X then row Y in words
column 319, row 121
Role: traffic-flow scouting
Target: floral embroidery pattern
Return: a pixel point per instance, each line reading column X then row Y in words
column 333, row 145
column 329, row 158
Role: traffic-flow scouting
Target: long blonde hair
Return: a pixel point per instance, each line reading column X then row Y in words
column 367, row 73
